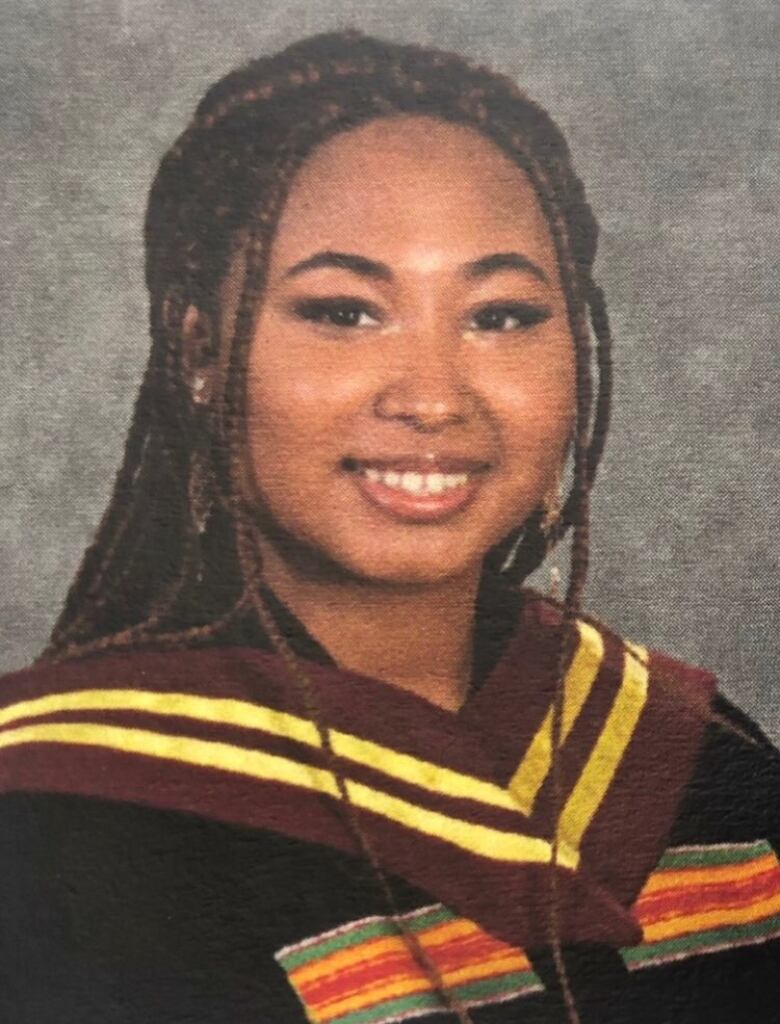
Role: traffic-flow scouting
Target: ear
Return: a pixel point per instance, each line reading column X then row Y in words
column 198, row 358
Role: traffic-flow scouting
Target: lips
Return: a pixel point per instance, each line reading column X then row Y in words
column 415, row 489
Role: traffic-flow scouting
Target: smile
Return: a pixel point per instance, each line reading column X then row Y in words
column 416, row 483
column 422, row 491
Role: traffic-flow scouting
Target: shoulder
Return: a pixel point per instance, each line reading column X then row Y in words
column 734, row 791
column 669, row 678
column 733, row 787
column 144, row 668
column 729, row 728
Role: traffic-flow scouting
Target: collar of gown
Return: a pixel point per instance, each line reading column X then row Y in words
column 462, row 805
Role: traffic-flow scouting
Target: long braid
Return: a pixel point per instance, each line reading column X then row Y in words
column 249, row 553
column 578, row 501
column 579, row 566
column 111, row 531
column 587, row 451
column 364, row 845
column 256, row 256
column 204, row 192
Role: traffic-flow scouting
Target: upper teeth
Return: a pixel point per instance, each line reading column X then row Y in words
column 417, row 483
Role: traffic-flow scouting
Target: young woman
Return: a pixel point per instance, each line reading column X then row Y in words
column 302, row 746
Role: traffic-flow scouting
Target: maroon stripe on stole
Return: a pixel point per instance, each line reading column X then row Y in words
column 253, row 739
column 508, row 900
column 586, row 731
column 182, row 725
column 509, row 707
column 486, row 737
column 651, row 778
column 214, row 671
column 355, row 704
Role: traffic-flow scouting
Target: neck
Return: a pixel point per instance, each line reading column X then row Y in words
column 419, row 638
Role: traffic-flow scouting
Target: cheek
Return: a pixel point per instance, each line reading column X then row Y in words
column 284, row 410
column 299, row 398
column 534, row 403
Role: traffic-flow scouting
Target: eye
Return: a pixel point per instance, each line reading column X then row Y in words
column 338, row 312
column 509, row 316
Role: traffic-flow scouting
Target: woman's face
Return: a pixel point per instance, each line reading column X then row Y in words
column 411, row 374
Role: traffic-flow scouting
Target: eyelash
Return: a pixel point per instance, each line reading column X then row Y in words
column 527, row 314
column 329, row 311
column 326, row 311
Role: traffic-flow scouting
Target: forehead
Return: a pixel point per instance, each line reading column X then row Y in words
column 411, row 182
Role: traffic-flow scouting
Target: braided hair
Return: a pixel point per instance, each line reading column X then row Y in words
column 175, row 560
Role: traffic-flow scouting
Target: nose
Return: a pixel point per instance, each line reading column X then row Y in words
column 429, row 394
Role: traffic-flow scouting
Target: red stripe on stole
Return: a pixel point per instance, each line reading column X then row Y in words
column 708, row 896
column 375, row 974
column 452, row 955
column 478, row 948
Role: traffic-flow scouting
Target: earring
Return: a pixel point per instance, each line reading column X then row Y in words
column 552, row 506
column 555, row 583
column 551, row 516
column 201, row 496
column 199, row 394
column 511, row 556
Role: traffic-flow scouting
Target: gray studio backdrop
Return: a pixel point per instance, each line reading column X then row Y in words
column 671, row 109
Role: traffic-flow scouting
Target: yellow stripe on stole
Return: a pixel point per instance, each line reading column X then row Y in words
column 640, row 653
column 396, row 988
column 183, row 749
column 482, row 840
column 345, row 959
column 605, row 757
column 425, row 774
column 720, row 917
column 217, row 710
column 535, row 765
column 716, row 874
column 226, row 711
column 508, row 961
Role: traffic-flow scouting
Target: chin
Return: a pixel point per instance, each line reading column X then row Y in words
column 355, row 552
column 409, row 568
column 406, row 576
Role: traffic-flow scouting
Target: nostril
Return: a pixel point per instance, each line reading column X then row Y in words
column 423, row 411
column 431, row 423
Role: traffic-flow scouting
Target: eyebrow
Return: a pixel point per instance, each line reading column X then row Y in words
column 481, row 268
column 492, row 264
column 346, row 261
